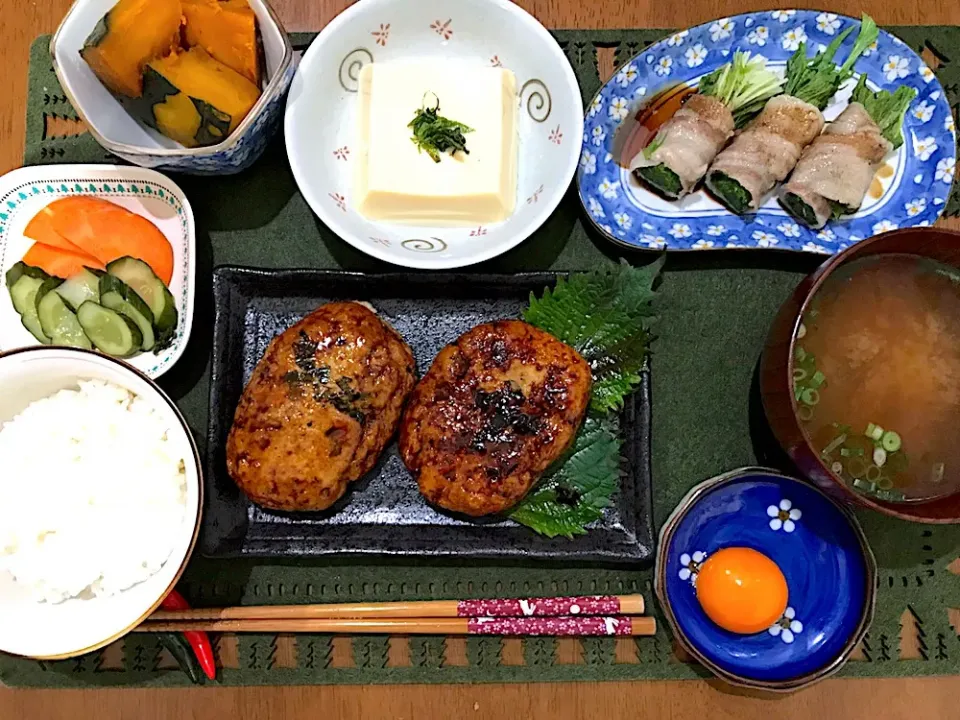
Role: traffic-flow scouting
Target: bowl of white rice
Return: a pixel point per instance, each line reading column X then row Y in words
column 100, row 500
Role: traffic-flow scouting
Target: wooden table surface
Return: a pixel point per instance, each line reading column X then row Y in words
column 927, row 699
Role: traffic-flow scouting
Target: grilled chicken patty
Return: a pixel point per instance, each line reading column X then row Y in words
column 319, row 408
column 496, row 408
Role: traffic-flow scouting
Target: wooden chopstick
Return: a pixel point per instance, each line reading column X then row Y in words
column 559, row 626
column 525, row 607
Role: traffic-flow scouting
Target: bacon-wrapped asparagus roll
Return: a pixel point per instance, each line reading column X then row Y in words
column 680, row 153
column 835, row 172
column 769, row 148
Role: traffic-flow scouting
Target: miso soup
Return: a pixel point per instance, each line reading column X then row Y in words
column 876, row 373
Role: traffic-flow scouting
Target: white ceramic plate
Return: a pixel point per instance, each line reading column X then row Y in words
column 77, row 626
column 321, row 130
column 24, row 192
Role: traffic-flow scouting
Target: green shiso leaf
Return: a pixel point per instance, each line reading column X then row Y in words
column 661, row 178
column 734, row 195
column 887, row 109
column 796, row 206
column 816, row 80
column 576, row 491
column 606, row 316
column 744, row 85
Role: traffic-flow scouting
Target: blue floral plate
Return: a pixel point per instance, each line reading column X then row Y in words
column 820, row 548
column 911, row 188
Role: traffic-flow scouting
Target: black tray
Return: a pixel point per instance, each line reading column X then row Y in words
column 383, row 513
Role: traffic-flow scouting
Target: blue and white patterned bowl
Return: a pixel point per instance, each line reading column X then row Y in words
column 629, row 214
column 115, row 129
column 823, row 553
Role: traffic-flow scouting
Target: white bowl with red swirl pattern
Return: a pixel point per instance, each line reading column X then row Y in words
column 322, row 130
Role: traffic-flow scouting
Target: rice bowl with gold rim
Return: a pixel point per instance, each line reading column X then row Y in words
column 103, row 506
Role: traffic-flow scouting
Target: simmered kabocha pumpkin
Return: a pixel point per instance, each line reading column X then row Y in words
column 192, row 98
column 128, row 37
column 227, row 29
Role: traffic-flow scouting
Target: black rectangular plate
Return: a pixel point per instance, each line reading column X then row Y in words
column 383, row 513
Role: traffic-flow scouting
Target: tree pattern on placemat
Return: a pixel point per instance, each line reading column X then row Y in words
column 484, row 650
column 427, row 651
column 598, row 650
column 540, row 651
column 371, row 651
column 314, row 651
column 255, row 651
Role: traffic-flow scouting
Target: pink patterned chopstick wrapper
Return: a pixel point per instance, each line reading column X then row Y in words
column 539, row 607
column 554, row 626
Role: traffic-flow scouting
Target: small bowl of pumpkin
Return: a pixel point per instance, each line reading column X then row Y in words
column 194, row 86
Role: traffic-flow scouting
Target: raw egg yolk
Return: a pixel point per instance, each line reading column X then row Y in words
column 742, row 590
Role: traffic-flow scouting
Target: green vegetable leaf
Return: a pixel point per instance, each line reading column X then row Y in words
column 816, row 80
column 435, row 134
column 578, row 488
column 734, row 195
column 654, row 145
column 744, row 85
column 887, row 109
column 661, row 178
column 605, row 315
column 798, row 207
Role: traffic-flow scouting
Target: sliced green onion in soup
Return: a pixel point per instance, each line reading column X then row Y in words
column 818, row 379
column 879, row 457
column 890, row 441
column 810, row 397
column 890, row 495
column 805, row 413
column 856, row 467
column 834, row 444
column 873, row 473
column 799, row 374
column 864, row 486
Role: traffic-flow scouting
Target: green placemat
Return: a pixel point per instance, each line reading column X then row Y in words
column 715, row 310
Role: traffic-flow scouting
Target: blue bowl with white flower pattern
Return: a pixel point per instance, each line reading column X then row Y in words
column 910, row 190
column 817, row 544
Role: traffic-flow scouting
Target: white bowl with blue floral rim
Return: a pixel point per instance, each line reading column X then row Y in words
column 913, row 187
column 817, row 544
column 120, row 133
column 24, row 192
column 321, row 132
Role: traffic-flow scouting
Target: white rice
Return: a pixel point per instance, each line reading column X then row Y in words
column 91, row 493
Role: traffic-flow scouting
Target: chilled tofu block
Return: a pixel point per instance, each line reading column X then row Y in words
column 396, row 181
